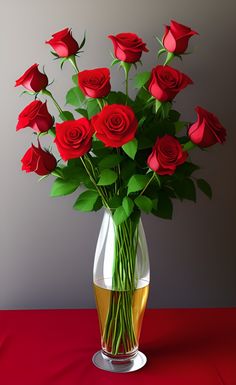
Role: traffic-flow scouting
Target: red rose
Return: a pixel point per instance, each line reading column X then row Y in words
column 39, row 161
column 36, row 116
column 33, row 80
column 95, row 83
column 74, row 138
column 128, row 47
column 166, row 155
column 115, row 125
column 207, row 130
column 166, row 82
column 176, row 37
column 63, row 43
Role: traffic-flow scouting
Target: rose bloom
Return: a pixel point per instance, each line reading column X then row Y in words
column 176, row 37
column 33, row 80
column 115, row 125
column 166, row 155
column 74, row 138
column 63, row 43
column 39, row 161
column 128, row 47
column 36, row 116
column 207, row 130
column 95, row 83
column 166, row 82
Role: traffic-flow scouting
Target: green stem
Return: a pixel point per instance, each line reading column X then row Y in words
column 119, row 336
column 91, row 177
column 73, row 62
column 153, row 176
column 48, row 93
column 100, row 104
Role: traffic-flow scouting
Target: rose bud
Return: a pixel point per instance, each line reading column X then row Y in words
column 33, row 80
column 39, row 161
column 128, row 47
column 63, row 43
column 166, row 82
column 176, row 37
column 115, row 125
column 36, row 116
column 95, row 83
column 166, row 155
column 74, row 138
column 207, row 130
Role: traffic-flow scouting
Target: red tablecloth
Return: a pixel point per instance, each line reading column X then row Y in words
column 54, row 347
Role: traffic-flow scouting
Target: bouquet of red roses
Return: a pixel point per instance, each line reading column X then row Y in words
column 129, row 155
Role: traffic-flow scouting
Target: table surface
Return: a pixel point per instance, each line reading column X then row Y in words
column 54, row 347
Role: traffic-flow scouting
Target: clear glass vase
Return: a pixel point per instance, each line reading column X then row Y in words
column 121, row 278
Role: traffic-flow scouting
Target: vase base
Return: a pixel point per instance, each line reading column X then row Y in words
column 119, row 366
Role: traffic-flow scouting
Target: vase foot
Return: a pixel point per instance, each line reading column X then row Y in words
column 119, row 366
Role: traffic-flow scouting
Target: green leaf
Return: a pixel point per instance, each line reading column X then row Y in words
column 127, row 169
column 66, row 115
column 86, row 201
column 186, row 169
column 131, row 148
column 189, row 146
column 107, row 177
column 115, row 202
column 119, row 215
column 75, row 97
column 179, row 126
column 92, row 107
column 137, row 182
column 58, row 172
column 110, row 161
column 117, row 98
column 115, row 61
column 52, row 132
column 141, row 79
column 204, row 187
column 128, row 205
column 82, row 112
column 164, row 207
column 62, row 187
column 75, row 79
column 144, row 203
column 174, row 115
column 185, row 189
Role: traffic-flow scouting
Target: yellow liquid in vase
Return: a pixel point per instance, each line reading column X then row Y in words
column 131, row 310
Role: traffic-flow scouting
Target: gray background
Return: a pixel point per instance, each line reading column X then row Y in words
column 47, row 249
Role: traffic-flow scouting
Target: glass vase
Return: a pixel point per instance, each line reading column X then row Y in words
column 121, row 278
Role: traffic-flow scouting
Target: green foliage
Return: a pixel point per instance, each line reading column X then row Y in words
column 184, row 189
column 82, row 111
column 110, row 161
column 162, row 206
column 62, row 187
column 144, row 203
column 92, row 107
column 141, row 79
column 131, row 148
column 75, row 97
column 87, row 201
column 128, row 205
column 115, row 202
column 137, row 182
column 119, row 215
column 204, row 186
column 66, row 115
column 107, row 177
